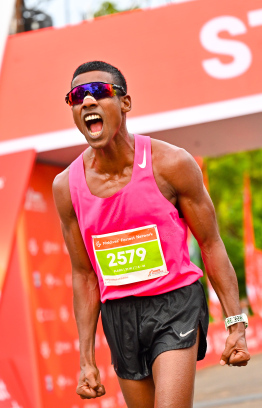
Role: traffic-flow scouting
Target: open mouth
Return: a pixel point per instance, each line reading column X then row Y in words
column 94, row 124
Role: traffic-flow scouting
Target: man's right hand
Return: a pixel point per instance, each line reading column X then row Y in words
column 89, row 384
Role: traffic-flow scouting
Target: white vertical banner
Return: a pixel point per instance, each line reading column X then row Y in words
column 6, row 12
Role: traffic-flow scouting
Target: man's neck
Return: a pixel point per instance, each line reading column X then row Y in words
column 115, row 157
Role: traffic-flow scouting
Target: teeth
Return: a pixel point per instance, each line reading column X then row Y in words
column 95, row 133
column 92, row 117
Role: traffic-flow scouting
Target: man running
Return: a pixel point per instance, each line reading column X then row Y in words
column 124, row 206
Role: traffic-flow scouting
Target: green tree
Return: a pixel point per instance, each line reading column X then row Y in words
column 110, row 8
column 226, row 174
column 106, row 8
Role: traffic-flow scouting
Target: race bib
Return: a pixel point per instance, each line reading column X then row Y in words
column 129, row 256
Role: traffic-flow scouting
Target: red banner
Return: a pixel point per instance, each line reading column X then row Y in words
column 207, row 52
column 15, row 170
column 50, row 288
column 253, row 256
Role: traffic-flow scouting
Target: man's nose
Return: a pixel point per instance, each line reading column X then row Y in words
column 89, row 100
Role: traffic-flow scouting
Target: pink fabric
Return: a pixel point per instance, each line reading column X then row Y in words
column 138, row 204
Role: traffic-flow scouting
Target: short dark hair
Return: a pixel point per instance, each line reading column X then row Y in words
column 102, row 66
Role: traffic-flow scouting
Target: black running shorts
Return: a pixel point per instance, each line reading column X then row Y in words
column 139, row 328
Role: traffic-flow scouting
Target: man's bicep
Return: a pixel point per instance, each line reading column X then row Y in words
column 76, row 247
column 198, row 211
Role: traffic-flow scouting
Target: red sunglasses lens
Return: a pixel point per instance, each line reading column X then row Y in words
column 98, row 90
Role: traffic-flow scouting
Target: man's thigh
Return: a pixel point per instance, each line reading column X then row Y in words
column 172, row 384
column 174, row 377
column 138, row 393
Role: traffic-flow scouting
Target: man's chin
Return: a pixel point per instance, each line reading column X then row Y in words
column 97, row 142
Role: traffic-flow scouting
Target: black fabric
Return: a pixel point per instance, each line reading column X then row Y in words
column 138, row 329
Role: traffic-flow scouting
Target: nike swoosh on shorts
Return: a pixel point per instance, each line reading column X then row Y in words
column 143, row 164
column 185, row 334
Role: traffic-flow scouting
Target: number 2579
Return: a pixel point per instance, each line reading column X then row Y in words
column 123, row 255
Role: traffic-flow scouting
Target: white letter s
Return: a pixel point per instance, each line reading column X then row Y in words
column 238, row 50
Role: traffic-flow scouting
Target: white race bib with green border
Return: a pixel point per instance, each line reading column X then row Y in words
column 129, row 256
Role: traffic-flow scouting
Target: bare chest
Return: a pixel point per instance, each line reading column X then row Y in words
column 107, row 185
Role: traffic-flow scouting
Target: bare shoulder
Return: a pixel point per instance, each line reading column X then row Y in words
column 62, row 195
column 61, row 183
column 165, row 153
column 176, row 166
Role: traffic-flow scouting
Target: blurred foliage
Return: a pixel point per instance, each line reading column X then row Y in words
column 110, row 8
column 106, row 8
column 226, row 180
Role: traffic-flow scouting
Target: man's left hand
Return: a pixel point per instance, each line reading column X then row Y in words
column 236, row 352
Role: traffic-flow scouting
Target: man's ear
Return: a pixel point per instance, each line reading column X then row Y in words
column 126, row 103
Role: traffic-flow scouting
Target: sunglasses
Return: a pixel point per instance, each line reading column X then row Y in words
column 98, row 90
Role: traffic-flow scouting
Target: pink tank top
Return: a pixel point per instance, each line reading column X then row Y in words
column 138, row 204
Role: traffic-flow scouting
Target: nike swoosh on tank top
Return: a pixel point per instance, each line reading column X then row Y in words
column 135, row 235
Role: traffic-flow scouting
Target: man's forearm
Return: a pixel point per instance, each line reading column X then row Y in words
column 87, row 309
column 222, row 276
